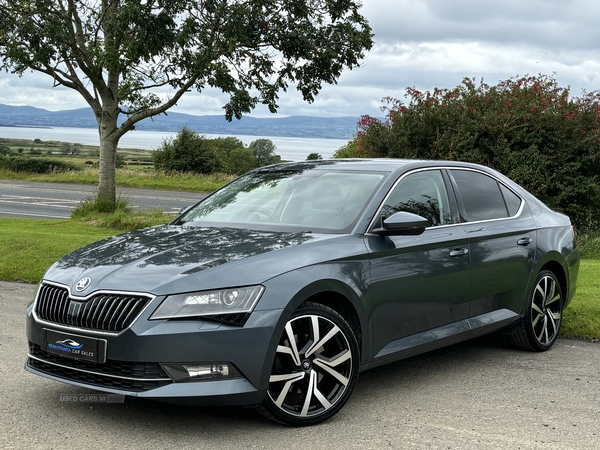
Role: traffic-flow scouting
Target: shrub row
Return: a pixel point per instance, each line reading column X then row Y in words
column 191, row 152
column 35, row 165
column 528, row 128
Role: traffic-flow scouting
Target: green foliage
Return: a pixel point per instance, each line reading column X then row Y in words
column 236, row 159
column 35, row 165
column 120, row 162
column 241, row 160
column 348, row 151
column 191, row 152
column 264, row 152
column 142, row 179
column 94, row 205
column 528, row 128
column 313, row 156
column 4, row 149
column 116, row 215
column 187, row 152
column 589, row 244
column 142, row 45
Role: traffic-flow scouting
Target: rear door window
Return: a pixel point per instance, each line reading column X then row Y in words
column 481, row 195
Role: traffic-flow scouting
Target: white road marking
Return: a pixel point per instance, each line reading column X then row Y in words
column 39, row 203
column 34, row 215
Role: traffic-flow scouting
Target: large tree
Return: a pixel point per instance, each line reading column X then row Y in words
column 136, row 58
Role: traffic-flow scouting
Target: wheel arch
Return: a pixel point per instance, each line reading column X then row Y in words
column 344, row 307
column 559, row 271
column 555, row 263
column 343, row 299
column 352, row 301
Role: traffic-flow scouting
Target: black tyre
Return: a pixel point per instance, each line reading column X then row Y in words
column 539, row 328
column 315, row 367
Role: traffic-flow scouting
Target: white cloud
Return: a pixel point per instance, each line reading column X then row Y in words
column 421, row 43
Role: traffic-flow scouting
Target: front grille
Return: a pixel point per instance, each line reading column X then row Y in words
column 127, row 376
column 102, row 312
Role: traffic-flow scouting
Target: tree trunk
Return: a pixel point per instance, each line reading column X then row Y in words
column 107, row 130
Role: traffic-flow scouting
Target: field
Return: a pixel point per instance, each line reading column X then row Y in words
column 136, row 171
column 74, row 152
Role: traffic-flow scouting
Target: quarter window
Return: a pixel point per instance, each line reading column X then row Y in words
column 513, row 201
column 422, row 193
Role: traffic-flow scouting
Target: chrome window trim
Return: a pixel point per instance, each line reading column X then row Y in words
column 29, row 355
column 69, row 328
column 377, row 214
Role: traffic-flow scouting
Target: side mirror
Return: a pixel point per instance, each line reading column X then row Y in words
column 402, row 224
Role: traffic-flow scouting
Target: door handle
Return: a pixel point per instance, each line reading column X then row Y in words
column 459, row 252
column 524, row 241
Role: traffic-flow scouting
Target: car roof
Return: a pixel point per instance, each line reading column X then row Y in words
column 370, row 164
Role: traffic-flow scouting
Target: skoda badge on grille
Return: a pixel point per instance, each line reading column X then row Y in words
column 83, row 284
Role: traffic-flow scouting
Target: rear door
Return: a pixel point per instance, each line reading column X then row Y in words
column 502, row 243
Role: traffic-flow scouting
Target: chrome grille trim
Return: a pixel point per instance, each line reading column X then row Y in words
column 53, row 309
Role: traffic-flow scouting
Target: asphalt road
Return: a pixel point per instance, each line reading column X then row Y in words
column 482, row 394
column 25, row 199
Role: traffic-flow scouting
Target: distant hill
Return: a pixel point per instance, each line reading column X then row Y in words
column 294, row 126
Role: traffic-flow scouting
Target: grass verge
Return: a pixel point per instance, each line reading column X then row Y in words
column 589, row 245
column 28, row 247
column 581, row 318
column 143, row 179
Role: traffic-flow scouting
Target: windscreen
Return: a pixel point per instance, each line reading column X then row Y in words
column 304, row 200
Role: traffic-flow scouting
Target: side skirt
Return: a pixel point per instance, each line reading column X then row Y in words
column 452, row 333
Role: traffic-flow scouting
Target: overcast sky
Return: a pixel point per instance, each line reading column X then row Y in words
column 421, row 43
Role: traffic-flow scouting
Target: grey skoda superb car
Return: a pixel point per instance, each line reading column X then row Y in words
column 279, row 288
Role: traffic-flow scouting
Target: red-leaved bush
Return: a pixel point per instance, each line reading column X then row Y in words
column 528, row 128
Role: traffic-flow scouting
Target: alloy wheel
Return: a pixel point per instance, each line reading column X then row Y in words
column 546, row 310
column 315, row 367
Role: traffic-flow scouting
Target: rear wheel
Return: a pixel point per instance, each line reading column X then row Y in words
column 315, row 367
column 539, row 328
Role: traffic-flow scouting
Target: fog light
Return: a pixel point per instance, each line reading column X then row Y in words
column 201, row 372
column 210, row 370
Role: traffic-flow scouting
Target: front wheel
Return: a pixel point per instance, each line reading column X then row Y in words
column 315, row 367
column 539, row 328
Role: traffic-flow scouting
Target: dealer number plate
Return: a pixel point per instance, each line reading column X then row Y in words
column 73, row 346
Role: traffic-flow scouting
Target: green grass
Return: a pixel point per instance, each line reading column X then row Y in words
column 119, row 216
column 139, row 172
column 28, row 247
column 582, row 317
column 143, row 179
column 589, row 245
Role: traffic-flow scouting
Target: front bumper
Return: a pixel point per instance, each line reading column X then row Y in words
column 134, row 358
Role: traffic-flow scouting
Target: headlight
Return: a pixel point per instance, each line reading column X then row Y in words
column 210, row 303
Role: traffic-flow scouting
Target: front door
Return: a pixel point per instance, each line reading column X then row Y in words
column 419, row 282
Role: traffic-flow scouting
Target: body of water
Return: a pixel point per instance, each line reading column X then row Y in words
column 289, row 148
